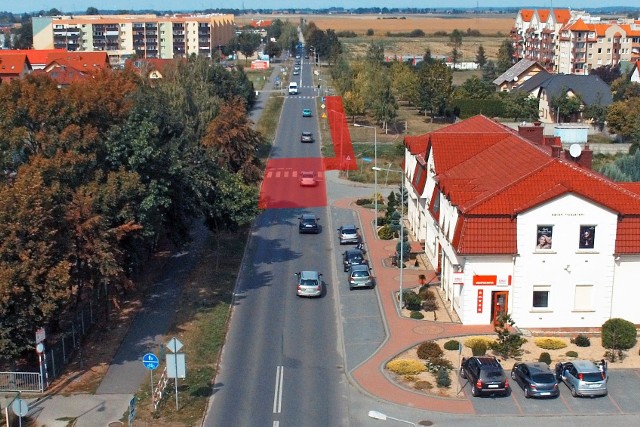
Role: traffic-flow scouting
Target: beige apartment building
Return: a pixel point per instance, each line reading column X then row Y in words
column 573, row 42
column 146, row 36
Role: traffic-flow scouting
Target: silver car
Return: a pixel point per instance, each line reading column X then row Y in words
column 309, row 284
column 360, row 277
column 583, row 378
column 348, row 234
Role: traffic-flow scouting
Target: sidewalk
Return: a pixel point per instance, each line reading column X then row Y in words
column 403, row 333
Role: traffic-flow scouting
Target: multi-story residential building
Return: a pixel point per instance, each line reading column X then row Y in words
column 146, row 36
column 573, row 42
column 514, row 222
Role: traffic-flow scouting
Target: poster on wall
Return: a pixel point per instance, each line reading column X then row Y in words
column 544, row 237
column 587, row 236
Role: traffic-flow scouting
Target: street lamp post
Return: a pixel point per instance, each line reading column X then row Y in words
column 375, row 170
column 401, row 263
column 384, row 417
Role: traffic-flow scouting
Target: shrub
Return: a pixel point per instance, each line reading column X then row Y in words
column 452, row 345
column 385, row 232
column 550, row 343
column 470, row 342
column 430, row 305
column 479, row 348
column 429, row 350
column 571, row 353
column 416, row 315
column 434, row 365
column 362, row 202
column 618, row 334
column 545, row 357
column 426, row 294
column 411, row 300
column 422, row 385
column 443, row 380
column 406, row 366
column 370, row 32
column 581, row 340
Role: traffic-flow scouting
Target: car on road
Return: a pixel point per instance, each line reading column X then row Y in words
column 296, row 72
column 353, row 257
column 309, row 284
column 348, row 234
column 485, row 375
column 583, row 377
column 296, row 68
column 306, row 137
column 308, row 224
column 306, row 112
column 536, row 379
column 360, row 277
column 308, row 179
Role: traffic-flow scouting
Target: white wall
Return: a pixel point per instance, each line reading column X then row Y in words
column 626, row 288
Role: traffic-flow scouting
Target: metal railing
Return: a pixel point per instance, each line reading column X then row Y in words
column 21, row 382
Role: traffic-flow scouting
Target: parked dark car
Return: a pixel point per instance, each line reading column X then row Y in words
column 308, row 224
column 485, row 375
column 352, row 257
column 536, row 379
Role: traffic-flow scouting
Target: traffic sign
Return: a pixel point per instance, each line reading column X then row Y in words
column 174, row 345
column 132, row 410
column 20, row 407
column 150, row 361
column 367, row 159
column 323, row 99
column 176, row 365
column 323, row 106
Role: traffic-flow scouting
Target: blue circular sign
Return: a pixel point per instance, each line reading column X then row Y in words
column 150, row 361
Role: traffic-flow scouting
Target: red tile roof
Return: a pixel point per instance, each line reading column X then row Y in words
column 562, row 15
column 416, row 144
column 491, row 174
column 543, row 14
column 81, row 61
column 36, row 57
column 13, row 65
column 526, row 14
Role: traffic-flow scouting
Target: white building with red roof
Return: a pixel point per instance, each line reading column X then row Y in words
column 515, row 223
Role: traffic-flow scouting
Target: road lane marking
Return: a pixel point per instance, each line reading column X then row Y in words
column 277, row 395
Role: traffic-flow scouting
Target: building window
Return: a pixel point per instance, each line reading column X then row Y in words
column 587, row 236
column 583, row 300
column 599, row 50
column 541, row 297
column 544, row 237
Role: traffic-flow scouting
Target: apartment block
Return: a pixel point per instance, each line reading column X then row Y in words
column 146, row 36
column 573, row 42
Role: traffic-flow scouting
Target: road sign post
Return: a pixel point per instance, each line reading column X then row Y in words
column 175, row 364
column 132, row 410
column 151, row 362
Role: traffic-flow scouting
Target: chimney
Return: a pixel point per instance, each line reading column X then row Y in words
column 586, row 157
column 550, row 141
column 556, row 151
column 532, row 133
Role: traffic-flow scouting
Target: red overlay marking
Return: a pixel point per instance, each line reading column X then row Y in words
column 344, row 158
column 281, row 186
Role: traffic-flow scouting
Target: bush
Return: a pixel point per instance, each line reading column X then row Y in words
column 385, row 233
column 429, row 350
column 571, row 353
column 434, row 365
column 411, row 300
column 422, row 385
column 618, row 334
column 581, row 340
column 416, row 315
column 430, row 305
column 406, row 366
column 545, row 357
column 370, row 32
column 550, row 343
column 443, row 380
column 362, row 202
column 452, row 345
column 479, row 348
column 425, row 293
column 470, row 342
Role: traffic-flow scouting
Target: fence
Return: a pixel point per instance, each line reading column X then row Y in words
column 21, row 382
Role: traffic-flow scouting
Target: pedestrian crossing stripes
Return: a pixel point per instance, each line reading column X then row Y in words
column 287, row 173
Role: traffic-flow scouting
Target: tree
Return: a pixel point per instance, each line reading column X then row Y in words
column 375, row 53
column 489, row 72
column 618, row 335
column 506, row 56
column 474, row 88
column 434, row 88
column 597, row 113
column 427, row 58
column 608, row 73
column 455, row 56
column 623, row 119
column 509, row 343
column 23, row 36
column 404, row 81
column 92, row 11
column 273, row 49
column 455, row 41
column 481, row 58
column 248, row 42
column 624, row 89
column 519, row 105
column 565, row 105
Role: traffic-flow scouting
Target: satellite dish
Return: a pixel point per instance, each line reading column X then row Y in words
column 515, row 79
column 575, row 150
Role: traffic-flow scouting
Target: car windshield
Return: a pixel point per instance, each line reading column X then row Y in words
column 348, row 230
column 543, row 378
column 355, row 257
column 308, row 221
column 307, row 174
column 592, row 377
column 362, row 273
column 493, row 374
column 308, row 282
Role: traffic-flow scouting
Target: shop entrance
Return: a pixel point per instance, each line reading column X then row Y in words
column 499, row 304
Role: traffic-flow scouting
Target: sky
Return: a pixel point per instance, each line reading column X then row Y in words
column 17, row 6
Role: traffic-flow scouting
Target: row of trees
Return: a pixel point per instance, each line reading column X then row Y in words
column 94, row 176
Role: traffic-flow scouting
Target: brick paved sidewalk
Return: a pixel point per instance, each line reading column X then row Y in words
column 403, row 333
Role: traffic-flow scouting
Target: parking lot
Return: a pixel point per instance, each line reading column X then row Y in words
column 623, row 386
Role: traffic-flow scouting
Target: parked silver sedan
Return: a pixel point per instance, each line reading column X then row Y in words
column 309, row 284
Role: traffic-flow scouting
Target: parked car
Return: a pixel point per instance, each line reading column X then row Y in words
column 306, row 112
column 308, row 179
column 306, row 137
column 485, row 375
column 308, row 224
column 360, row 277
column 352, row 257
column 583, row 377
column 536, row 379
column 348, row 234
column 309, row 284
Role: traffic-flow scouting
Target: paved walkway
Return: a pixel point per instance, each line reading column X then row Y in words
column 403, row 333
